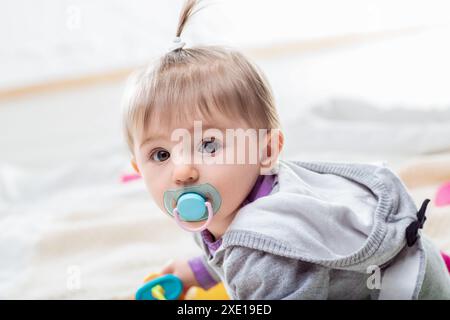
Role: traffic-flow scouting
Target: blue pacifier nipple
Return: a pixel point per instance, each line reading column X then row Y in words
column 191, row 206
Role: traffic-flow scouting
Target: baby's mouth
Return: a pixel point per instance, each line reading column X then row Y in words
column 208, row 198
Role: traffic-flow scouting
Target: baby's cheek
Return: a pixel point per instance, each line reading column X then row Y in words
column 160, row 203
column 154, row 191
column 235, row 186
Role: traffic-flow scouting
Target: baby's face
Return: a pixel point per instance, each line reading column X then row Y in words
column 209, row 157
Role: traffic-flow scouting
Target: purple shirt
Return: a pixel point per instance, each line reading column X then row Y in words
column 263, row 186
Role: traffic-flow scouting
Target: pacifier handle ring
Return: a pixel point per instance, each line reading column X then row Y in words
column 203, row 227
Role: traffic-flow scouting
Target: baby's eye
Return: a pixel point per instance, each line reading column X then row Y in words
column 160, row 155
column 209, row 145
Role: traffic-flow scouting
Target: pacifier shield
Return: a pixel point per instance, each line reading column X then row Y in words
column 190, row 201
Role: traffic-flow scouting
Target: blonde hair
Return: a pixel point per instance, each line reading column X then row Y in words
column 201, row 80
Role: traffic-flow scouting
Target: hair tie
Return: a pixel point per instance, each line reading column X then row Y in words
column 178, row 44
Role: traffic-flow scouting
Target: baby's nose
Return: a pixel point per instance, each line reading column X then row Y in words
column 185, row 174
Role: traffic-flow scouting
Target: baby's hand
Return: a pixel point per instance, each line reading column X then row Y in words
column 182, row 270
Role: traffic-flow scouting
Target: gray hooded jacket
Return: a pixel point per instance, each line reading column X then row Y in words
column 329, row 231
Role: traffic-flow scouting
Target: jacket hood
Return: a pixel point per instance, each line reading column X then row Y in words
column 339, row 215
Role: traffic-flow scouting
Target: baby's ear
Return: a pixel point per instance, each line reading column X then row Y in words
column 134, row 165
column 273, row 147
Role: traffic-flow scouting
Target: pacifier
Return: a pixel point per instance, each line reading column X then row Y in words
column 192, row 204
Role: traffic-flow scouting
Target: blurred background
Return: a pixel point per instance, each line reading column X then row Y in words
column 354, row 80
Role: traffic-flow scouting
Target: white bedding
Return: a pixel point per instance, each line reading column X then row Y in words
column 80, row 219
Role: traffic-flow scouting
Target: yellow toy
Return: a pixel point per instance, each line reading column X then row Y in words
column 170, row 287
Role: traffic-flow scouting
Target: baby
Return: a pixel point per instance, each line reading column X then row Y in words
column 204, row 133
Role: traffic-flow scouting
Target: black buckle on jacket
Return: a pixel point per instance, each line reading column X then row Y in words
column 412, row 231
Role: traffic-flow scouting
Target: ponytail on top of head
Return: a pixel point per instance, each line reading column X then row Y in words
column 188, row 10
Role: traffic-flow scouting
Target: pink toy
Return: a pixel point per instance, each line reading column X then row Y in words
column 129, row 177
column 447, row 260
column 443, row 195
